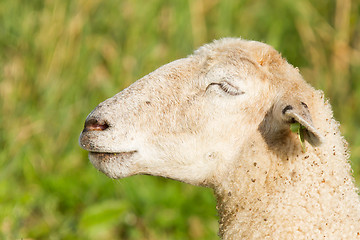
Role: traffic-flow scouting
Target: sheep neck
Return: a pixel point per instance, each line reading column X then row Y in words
column 298, row 195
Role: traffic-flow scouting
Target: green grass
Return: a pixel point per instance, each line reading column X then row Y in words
column 60, row 58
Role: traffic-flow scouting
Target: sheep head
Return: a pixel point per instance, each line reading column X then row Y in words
column 192, row 119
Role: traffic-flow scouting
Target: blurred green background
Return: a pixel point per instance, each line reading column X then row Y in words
column 60, row 58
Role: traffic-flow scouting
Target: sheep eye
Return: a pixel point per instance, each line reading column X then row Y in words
column 228, row 88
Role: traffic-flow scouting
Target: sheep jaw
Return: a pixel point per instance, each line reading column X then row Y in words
column 114, row 165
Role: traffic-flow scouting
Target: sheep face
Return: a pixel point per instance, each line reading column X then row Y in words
column 190, row 120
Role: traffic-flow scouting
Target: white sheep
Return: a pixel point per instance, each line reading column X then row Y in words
column 221, row 118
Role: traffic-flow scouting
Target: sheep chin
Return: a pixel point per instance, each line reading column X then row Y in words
column 114, row 165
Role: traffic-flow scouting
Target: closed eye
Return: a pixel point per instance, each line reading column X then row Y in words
column 227, row 88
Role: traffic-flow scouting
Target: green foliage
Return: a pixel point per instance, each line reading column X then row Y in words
column 60, row 58
column 299, row 129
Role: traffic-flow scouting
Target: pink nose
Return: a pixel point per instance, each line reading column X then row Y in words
column 95, row 125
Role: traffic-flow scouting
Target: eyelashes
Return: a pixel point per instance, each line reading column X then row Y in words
column 227, row 88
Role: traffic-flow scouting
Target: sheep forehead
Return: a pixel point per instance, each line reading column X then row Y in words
column 258, row 52
column 253, row 57
column 231, row 57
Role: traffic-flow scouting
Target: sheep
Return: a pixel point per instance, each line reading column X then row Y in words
column 221, row 118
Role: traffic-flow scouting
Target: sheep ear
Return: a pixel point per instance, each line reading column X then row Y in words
column 278, row 120
column 301, row 114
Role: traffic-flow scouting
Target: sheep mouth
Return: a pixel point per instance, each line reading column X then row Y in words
column 105, row 156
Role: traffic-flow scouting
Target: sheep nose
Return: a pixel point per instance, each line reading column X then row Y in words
column 95, row 125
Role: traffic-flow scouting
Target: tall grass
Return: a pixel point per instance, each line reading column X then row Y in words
column 60, row 58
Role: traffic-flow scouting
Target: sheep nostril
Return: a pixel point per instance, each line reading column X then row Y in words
column 95, row 125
